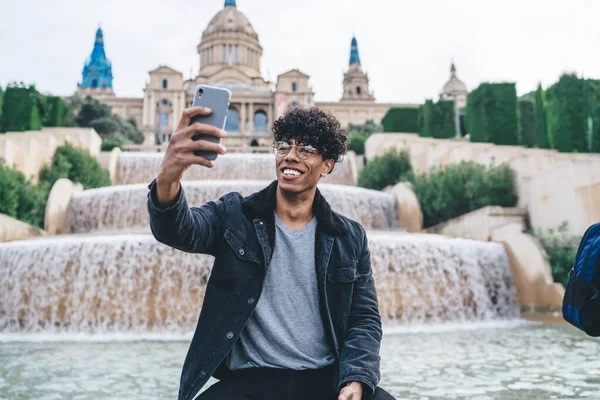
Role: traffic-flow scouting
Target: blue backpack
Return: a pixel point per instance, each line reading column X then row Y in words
column 581, row 304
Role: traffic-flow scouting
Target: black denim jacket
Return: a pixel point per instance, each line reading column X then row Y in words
column 240, row 233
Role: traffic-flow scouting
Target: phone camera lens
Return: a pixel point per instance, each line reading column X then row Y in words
column 200, row 91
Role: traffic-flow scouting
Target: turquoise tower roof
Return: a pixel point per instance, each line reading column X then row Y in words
column 354, row 57
column 97, row 72
column 230, row 3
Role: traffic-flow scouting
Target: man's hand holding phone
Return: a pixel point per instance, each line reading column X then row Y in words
column 180, row 153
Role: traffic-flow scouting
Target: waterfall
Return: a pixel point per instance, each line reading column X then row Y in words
column 123, row 208
column 131, row 283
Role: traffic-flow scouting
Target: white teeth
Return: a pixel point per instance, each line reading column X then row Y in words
column 289, row 171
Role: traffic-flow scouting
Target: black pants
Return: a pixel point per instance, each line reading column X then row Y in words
column 280, row 384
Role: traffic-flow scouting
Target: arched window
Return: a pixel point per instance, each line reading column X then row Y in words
column 358, row 90
column 163, row 119
column 165, row 84
column 95, row 83
column 294, row 87
column 294, row 104
column 233, row 120
column 260, row 122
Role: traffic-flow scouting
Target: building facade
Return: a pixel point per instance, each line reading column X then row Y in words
column 230, row 56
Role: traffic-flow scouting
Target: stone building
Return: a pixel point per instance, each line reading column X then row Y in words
column 455, row 89
column 230, row 56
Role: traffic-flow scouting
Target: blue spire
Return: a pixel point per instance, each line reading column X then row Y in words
column 354, row 57
column 230, row 3
column 97, row 72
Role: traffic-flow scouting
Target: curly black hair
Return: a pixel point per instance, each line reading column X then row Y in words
column 311, row 125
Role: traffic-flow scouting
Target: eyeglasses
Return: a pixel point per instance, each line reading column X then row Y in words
column 304, row 152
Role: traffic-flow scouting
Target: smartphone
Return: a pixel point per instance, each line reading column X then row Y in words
column 217, row 99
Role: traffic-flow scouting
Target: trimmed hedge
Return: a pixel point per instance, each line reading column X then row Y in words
column 77, row 165
column 527, row 124
column 401, row 119
column 109, row 144
column 21, row 109
column 386, row 170
column 568, row 108
column 492, row 113
column 449, row 192
column 55, row 111
column 437, row 119
column 1, row 101
column 541, row 129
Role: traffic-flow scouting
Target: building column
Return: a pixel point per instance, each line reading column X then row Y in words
column 145, row 111
column 175, row 110
column 251, row 118
column 152, row 109
column 242, row 111
column 269, row 116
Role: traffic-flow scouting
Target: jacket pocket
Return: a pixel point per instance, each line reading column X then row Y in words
column 240, row 247
column 344, row 274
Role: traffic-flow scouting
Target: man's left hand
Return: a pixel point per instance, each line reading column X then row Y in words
column 352, row 391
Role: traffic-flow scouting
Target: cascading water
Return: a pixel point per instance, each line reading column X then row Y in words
column 123, row 208
column 110, row 274
column 135, row 168
column 131, row 283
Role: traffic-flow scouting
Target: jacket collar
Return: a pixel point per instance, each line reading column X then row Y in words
column 262, row 205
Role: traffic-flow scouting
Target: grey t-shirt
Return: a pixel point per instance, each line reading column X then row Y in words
column 286, row 329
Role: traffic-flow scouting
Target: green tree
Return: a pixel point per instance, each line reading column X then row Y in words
column 91, row 109
column 437, row 119
column 492, row 113
column 568, row 109
column 386, row 170
column 77, row 165
column 540, row 119
column 55, row 111
column 527, row 124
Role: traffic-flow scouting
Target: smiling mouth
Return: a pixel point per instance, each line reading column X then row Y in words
column 291, row 172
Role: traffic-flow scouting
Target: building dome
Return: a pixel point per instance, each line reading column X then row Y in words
column 454, row 86
column 229, row 20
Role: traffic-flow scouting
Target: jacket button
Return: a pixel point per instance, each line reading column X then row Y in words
column 251, row 300
column 229, row 335
column 202, row 374
column 241, row 252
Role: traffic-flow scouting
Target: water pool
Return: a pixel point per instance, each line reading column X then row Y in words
column 501, row 361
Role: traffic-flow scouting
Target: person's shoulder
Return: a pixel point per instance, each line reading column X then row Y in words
column 355, row 228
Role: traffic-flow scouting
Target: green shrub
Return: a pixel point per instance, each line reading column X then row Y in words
column 492, row 113
column 401, row 119
column 1, row 101
column 461, row 188
column 388, row 169
column 77, row 165
column 21, row 109
column 357, row 143
column 437, row 119
column 109, row 144
column 358, row 135
column 527, row 124
column 561, row 249
column 19, row 198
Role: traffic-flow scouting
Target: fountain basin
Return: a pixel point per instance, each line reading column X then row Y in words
column 135, row 168
column 123, row 208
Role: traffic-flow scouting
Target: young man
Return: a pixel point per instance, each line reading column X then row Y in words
column 290, row 310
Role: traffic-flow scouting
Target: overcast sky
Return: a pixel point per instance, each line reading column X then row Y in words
column 405, row 46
